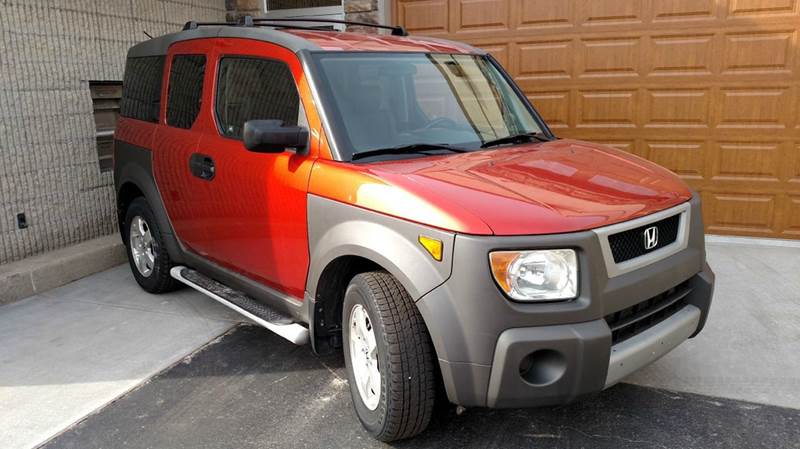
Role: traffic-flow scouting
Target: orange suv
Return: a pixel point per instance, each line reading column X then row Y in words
column 399, row 199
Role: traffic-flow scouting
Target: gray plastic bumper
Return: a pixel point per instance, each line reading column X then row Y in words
column 632, row 354
column 549, row 365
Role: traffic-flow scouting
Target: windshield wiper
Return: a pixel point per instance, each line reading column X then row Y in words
column 416, row 148
column 516, row 138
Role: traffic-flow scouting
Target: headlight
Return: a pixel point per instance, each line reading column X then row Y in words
column 543, row 275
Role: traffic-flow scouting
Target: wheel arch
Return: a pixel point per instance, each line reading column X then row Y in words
column 344, row 241
column 133, row 177
column 127, row 192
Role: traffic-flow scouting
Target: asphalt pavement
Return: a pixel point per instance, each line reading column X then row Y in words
column 252, row 389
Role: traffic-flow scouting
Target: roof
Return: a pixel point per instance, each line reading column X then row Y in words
column 353, row 41
column 297, row 40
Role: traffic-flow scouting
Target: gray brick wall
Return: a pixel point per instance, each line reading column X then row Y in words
column 355, row 10
column 49, row 49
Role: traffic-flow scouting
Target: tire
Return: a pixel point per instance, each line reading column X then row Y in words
column 405, row 357
column 158, row 279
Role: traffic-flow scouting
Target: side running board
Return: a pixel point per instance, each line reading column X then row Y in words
column 238, row 301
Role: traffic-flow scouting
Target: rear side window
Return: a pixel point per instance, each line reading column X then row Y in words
column 185, row 90
column 141, row 88
column 254, row 89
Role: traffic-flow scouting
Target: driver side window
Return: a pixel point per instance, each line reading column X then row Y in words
column 254, row 89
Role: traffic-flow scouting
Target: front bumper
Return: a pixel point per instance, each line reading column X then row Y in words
column 497, row 353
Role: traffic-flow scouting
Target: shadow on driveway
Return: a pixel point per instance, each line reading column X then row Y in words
column 251, row 389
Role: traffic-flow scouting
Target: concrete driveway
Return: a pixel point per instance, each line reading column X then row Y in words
column 67, row 354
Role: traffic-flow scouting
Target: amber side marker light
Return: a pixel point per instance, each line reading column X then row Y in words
column 433, row 246
column 500, row 262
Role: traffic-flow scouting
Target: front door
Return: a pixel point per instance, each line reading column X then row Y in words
column 258, row 225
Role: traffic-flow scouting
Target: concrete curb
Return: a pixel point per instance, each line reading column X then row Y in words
column 38, row 274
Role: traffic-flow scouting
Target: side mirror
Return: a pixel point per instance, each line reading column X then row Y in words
column 271, row 136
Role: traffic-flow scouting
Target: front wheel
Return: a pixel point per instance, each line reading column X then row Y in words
column 149, row 260
column 389, row 357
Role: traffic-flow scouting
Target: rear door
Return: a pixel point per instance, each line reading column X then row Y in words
column 258, row 225
column 182, row 173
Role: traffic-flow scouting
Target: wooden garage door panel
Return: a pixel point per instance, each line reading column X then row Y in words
column 544, row 60
column 759, row 52
column 762, row 7
column 707, row 88
column 553, row 106
column 609, row 57
column 611, row 12
column 742, row 213
column 671, row 10
column 429, row 17
column 677, row 108
column 747, row 162
column 535, row 14
column 684, row 158
column 754, row 107
column 607, row 109
column 680, row 55
column 794, row 175
column 482, row 15
column 792, row 207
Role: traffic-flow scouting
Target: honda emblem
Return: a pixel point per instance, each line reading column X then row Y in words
column 650, row 237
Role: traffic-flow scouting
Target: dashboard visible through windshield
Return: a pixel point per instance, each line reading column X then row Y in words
column 384, row 101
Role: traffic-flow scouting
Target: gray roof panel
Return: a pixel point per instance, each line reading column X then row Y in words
column 158, row 46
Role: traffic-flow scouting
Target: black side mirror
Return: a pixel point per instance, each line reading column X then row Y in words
column 271, row 136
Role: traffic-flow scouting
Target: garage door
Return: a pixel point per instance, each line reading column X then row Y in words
column 707, row 88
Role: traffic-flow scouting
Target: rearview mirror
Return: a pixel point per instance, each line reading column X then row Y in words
column 271, row 136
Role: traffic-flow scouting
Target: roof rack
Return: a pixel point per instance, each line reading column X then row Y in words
column 396, row 30
column 249, row 21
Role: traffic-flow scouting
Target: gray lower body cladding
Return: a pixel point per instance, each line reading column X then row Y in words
column 498, row 353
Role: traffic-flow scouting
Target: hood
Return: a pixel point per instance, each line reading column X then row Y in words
column 546, row 188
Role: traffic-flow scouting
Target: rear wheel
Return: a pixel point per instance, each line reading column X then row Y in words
column 147, row 255
column 389, row 357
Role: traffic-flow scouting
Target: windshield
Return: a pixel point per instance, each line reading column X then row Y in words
column 391, row 100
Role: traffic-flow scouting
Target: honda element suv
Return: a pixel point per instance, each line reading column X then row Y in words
column 398, row 199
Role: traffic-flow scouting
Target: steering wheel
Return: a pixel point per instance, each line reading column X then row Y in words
column 439, row 121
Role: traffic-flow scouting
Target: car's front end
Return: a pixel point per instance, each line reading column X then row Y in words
column 630, row 307
column 561, row 267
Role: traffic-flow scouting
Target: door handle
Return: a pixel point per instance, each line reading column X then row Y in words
column 202, row 166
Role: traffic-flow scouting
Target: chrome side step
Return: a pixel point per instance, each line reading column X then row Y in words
column 233, row 299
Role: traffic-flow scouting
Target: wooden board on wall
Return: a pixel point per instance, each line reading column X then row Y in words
column 708, row 88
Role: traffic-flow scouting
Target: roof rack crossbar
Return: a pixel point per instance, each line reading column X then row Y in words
column 249, row 21
column 195, row 25
column 396, row 30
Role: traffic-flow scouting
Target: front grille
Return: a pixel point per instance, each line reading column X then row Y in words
column 636, row 319
column 630, row 244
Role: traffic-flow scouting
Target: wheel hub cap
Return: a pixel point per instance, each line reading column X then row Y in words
column 141, row 243
column 364, row 357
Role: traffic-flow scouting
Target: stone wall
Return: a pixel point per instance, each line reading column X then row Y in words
column 362, row 11
column 355, row 10
column 49, row 50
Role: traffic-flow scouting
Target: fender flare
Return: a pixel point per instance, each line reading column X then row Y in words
column 336, row 229
column 133, row 165
column 410, row 265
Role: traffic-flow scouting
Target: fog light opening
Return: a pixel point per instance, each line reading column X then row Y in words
column 542, row 367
